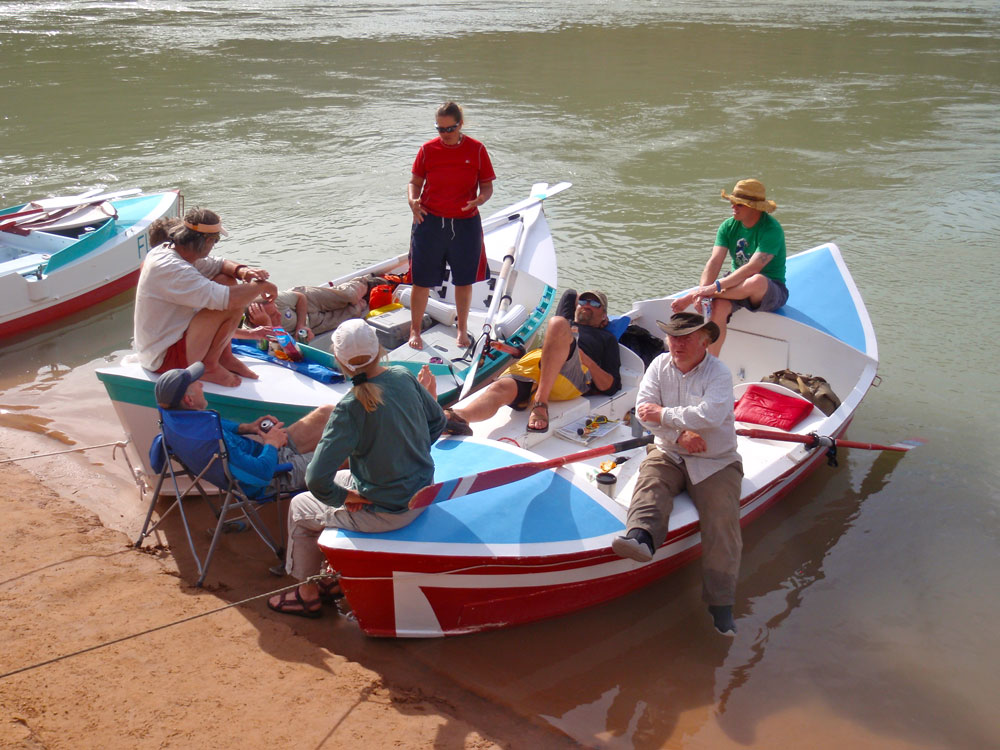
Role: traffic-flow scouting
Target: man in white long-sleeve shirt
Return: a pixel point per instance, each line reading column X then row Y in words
column 686, row 401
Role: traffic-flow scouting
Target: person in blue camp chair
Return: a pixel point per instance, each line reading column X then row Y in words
column 578, row 356
column 274, row 443
column 382, row 430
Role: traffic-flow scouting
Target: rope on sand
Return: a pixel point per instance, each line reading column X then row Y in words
column 137, row 474
column 116, row 443
column 311, row 579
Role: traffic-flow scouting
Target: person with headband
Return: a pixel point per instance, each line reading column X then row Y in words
column 188, row 302
column 452, row 177
column 755, row 242
column 383, row 429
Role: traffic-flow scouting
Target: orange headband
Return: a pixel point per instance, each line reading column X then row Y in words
column 206, row 228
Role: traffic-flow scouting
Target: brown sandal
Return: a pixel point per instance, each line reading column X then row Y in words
column 292, row 603
column 455, row 425
column 533, row 415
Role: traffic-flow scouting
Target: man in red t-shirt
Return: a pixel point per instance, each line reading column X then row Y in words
column 452, row 178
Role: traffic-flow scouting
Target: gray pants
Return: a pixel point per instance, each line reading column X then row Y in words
column 307, row 517
column 717, row 499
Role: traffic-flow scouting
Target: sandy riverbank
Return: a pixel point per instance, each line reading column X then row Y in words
column 240, row 678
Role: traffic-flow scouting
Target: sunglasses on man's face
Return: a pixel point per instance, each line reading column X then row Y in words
column 449, row 129
column 589, row 302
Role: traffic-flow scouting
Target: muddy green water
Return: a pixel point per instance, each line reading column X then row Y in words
column 868, row 605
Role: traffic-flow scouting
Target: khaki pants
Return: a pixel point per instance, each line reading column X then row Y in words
column 307, row 517
column 717, row 499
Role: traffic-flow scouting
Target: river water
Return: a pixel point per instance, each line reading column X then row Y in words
column 867, row 605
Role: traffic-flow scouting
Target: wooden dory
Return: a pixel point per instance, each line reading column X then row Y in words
column 520, row 231
column 541, row 547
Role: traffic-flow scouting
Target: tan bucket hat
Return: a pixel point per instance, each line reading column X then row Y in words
column 683, row 323
column 751, row 193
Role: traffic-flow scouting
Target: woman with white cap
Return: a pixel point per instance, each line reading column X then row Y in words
column 383, row 429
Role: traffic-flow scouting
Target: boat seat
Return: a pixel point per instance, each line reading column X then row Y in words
column 28, row 263
column 812, row 417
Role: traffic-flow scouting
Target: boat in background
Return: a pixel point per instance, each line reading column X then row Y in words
column 541, row 546
column 61, row 255
column 522, row 284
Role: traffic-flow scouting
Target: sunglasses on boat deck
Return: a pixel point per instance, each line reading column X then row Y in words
column 449, row 129
column 589, row 302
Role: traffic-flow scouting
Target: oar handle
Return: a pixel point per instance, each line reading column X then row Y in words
column 815, row 441
column 603, row 450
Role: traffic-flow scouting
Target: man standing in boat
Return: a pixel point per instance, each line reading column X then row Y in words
column 578, row 356
column 686, row 400
column 188, row 303
column 452, row 177
column 755, row 242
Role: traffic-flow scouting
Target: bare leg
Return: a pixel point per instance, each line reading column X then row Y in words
column 463, row 301
column 208, row 336
column 555, row 349
column 307, row 431
column 720, row 311
column 489, row 400
column 418, row 304
column 752, row 289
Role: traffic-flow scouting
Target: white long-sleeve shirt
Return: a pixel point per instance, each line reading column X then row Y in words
column 700, row 400
column 170, row 293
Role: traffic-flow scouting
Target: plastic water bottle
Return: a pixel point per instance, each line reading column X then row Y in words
column 706, row 307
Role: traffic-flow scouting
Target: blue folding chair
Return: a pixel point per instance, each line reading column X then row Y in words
column 190, row 444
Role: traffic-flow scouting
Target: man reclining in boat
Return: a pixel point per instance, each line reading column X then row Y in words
column 578, row 356
column 756, row 243
column 308, row 311
column 182, row 389
column 686, row 400
column 188, row 303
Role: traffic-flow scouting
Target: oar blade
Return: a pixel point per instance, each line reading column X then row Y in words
column 908, row 444
column 484, row 480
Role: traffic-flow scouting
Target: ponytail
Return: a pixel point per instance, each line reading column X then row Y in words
column 368, row 394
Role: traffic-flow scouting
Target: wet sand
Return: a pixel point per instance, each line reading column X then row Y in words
column 69, row 583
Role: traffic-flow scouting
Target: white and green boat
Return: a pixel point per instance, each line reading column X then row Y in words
column 508, row 311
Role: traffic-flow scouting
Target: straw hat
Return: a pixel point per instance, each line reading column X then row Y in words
column 751, row 193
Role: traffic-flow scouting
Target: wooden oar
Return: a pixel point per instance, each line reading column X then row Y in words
column 537, row 196
column 50, row 208
column 502, row 475
column 499, row 290
column 815, row 441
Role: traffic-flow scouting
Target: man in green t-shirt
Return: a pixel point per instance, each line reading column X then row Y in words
column 755, row 242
